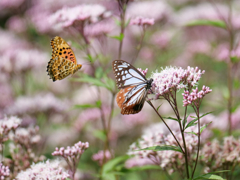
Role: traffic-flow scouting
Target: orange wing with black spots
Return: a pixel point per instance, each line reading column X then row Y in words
column 63, row 62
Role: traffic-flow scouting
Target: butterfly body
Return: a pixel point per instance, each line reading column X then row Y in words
column 134, row 87
column 63, row 61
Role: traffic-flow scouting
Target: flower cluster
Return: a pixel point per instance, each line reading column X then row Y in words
column 48, row 170
column 224, row 155
column 4, row 171
column 165, row 159
column 140, row 21
column 67, row 16
column 71, row 152
column 195, row 96
column 39, row 103
column 8, row 124
column 72, row 155
column 175, row 78
column 99, row 157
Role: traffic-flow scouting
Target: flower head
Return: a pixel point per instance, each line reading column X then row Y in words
column 67, row 16
column 174, row 78
column 48, row 170
column 195, row 96
column 99, row 157
column 140, row 21
column 4, row 171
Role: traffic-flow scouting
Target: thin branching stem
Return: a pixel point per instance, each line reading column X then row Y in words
column 150, row 103
column 198, row 148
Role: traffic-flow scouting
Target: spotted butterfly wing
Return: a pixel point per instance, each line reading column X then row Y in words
column 133, row 85
column 63, row 61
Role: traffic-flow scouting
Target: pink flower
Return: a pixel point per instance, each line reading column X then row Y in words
column 195, row 96
column 41, row 170
column 99, row 157
column 17, row 24
column 67, row 16
column 140, row 21
column 173, row 78
column 136, row 161
column 4, row 171
column 99, row 29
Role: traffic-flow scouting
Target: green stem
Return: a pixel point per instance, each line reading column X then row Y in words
column 150, row 103
column 198, row 148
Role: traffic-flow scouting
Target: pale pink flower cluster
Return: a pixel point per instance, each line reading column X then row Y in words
column 4, row 171
column 69, row 16
column 5, row 4
column 18, row 60
column 226, row 154
column 165, row 159
column 8, row 124
column 72, row 153
column 144, row 72
column 141, row 21
column 41, row 170
column 99, row 157
column 174, row 78
column 195, row 96
column 27, row 136
column 39, row 103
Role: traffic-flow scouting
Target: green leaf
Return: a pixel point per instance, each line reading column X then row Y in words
column 143, row 168
column 191, row 133
column 192, row 123
column 85, row 106
column 88, row 79
column 100, row 135
column 172, row 118
column 109, row 167
column 159, row 107
column 120, row 37
column 89, row 58
column 202, row 128
column 209, row 176
column 205, row 22
column 162, row 148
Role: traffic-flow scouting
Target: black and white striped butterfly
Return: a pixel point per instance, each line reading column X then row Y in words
column 134, row 87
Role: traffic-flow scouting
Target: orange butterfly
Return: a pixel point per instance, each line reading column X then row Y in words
column 63, row 61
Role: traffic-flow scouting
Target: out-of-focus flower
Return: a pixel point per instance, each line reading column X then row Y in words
column 48, row 170
column 146, row 54
column 6, row 95
column 74, row 16
column 7, row 6
column 17, row 24
column 150, row 9
column 140, row 21
column 223, row 53
column 162, row 39
column 90, row 115
column 39, row 103
column 4, row 171
column 195, row 96
column 99, row 157
column 99, row 29
column 8, row 124
column 173, row 78
column 137, row 161
column 18, row 60
column 228, row 153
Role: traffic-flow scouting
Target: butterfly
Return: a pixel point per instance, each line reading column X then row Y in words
column 134, row 87
column 63, row 61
